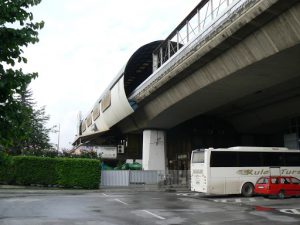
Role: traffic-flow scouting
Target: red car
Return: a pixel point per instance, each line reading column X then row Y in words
column 280, row 186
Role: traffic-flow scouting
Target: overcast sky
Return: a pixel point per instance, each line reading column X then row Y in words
column 83, row 46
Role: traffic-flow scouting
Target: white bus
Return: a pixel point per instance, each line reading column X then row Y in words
column 235, row 170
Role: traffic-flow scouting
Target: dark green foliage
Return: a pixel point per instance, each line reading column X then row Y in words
column 32, row 135
column 52, row 153
column 35, row 170
column 6, row 168
column 17, row 31
column 37, row 135
column 83, row 173
column 64, row 172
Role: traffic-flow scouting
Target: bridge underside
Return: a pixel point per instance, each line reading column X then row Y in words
column 254, row 85
column 259, row 98
column 253, row 107
column 247, row 95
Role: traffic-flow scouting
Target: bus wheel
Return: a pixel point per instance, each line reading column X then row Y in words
column 281, row 194
column 248, row 190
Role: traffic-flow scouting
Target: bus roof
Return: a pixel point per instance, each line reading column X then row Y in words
column 252, row 149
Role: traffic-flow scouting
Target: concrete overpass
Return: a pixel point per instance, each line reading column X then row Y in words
column 241, row 68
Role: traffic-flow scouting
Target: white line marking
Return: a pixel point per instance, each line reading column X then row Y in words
column 290, row 211
column 157, row 216
column 221, row 200
column 118, row 200
column 106, row 195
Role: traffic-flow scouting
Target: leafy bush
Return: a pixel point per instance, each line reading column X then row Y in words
column 6, row 169
column 35, row 170
column 66, row 172
column 52, row 153
column 83, row 173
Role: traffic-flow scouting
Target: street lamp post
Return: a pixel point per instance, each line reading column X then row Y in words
column 58, row 138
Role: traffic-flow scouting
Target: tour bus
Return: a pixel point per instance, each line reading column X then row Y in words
column 235, row 170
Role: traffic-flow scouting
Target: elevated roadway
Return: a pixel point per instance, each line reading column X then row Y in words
column 239, row 64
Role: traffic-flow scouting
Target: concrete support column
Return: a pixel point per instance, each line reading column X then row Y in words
column 154, row 156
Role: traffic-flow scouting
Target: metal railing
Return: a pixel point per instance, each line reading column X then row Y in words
column 165, row 57
column 197, row 21
column 118, row 178
column 174, row 178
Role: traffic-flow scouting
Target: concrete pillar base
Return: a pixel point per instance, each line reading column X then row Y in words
column 154, row 156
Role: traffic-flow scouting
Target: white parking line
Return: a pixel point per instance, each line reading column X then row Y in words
column 157, row 216
column 238, row 200
column 118, row 200
column 188, row 194
column 290, row 211
column 106, row 195
column 235, row 200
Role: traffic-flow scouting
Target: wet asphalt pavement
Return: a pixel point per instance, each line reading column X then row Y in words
column 128, row 207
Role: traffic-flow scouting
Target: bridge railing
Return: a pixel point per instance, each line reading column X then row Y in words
column 198, row 29
column 198, row 20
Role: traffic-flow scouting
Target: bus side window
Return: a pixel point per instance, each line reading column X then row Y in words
column 249, row 159
column 292, row 159
column 223, row 159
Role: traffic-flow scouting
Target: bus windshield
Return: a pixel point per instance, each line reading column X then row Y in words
column 198, row 157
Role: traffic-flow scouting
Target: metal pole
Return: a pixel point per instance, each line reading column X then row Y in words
column 187, row 31
column 169, row 49
column 212, row 9
column 155, row 62
column 161, row 56
column 58, row 138
column 177, row 34
column 199, row 20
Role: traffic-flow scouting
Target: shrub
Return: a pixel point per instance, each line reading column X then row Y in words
column 35, row 170
column 84, row 173
column 6, row 169
column 66, row 172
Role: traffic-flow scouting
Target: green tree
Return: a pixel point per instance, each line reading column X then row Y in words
column 17, row 31
column 35, row 126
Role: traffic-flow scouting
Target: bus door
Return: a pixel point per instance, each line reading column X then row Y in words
column 275, row 171
column 198, row 172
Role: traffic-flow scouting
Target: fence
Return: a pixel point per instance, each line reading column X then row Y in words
column 115, row 178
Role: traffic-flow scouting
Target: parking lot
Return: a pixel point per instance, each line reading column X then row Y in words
column 130, row 206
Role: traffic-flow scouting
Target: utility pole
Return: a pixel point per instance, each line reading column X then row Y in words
column 58, row 138
column 58, row 135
